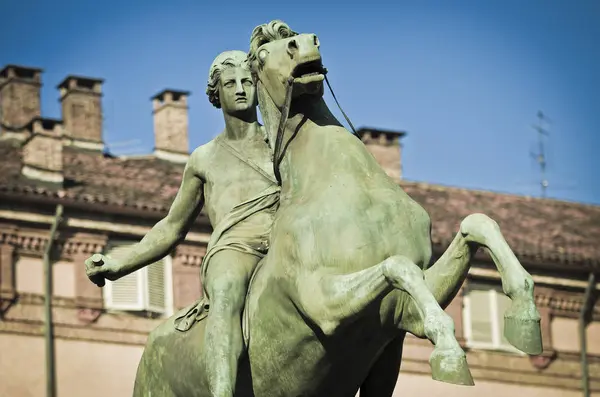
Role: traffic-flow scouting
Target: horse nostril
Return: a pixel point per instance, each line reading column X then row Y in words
column 316, row 41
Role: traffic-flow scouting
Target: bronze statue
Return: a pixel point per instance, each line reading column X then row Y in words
column 232, row 176
column 346, row 274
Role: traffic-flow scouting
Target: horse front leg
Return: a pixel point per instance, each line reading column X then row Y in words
column 444, row 278
column 332, row 301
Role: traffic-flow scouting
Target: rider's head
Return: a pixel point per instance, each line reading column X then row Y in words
column 230, row 85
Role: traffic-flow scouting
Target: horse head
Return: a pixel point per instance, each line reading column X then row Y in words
column 279, row 56
column 288, row 74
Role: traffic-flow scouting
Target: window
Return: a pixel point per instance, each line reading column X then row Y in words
column 149, row 290
column 483, row 315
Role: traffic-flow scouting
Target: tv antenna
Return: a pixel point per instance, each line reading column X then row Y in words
column 540, row 156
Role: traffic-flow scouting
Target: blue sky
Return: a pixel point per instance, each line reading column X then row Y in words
column 464, row 79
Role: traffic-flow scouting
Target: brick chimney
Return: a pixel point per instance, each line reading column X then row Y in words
column 19, row 99
column 42, row 151
column 81, row 99
column 386, row 147
column 171, row 125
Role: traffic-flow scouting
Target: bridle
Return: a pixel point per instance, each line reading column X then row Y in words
column 285, row 111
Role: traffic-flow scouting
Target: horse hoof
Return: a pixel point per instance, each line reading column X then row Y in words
column 524, row 334
column 450, row 366
column 522, row 326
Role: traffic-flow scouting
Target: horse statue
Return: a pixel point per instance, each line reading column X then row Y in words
column 346, row 276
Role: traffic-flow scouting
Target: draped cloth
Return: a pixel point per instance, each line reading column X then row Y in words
column 232, row 233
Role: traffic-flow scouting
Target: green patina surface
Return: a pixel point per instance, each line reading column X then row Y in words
column 327, row 309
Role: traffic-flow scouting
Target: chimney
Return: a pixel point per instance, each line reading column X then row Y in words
column 171, row 125
column 81, row 100
column 386, row 147
column 42, row 151
column 19, row 99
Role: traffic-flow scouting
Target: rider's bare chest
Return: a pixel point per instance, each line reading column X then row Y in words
column 239, row 170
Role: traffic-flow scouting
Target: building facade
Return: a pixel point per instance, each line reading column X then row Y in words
column 110, row 202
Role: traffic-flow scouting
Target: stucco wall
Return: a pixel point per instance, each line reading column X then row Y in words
column 98, row 370
column 565, row 335
column 82, row 368
column 30, row 277
column 107, row 366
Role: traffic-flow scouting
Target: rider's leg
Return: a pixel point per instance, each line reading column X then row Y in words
column 226, row 281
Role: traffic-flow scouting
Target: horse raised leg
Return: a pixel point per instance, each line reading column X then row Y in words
column 446, row 275
column 333, row 300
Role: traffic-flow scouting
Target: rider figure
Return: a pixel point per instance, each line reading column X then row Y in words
column 232, row 176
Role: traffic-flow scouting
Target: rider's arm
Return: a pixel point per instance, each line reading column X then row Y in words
column 172, row 229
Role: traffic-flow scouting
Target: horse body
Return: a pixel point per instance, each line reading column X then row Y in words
column 310, row 224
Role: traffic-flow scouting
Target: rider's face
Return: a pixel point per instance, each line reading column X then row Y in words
column 237, row 93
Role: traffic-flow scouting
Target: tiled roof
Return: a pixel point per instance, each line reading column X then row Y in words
column 538, row 230
column 143, row 183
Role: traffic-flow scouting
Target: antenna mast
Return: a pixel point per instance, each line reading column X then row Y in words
column 540, row 156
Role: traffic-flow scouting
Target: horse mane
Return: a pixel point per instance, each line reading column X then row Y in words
column 269, row 112
column 265, row 33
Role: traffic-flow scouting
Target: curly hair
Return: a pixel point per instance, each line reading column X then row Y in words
column 265, row 33
column 227, row 59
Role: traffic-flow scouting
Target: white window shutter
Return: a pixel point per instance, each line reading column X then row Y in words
column 480, row 316
column 126, row 293
column 156, row 287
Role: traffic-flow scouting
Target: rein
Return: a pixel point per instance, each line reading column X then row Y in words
column 285, row 111
column 338, row 104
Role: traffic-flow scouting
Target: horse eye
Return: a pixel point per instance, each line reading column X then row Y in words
column 262, row 55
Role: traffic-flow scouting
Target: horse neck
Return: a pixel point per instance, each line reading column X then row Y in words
column 303, row 115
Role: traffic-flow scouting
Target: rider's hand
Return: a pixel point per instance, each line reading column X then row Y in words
column 99, row 267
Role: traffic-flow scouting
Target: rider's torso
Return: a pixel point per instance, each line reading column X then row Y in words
column 228, row 181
